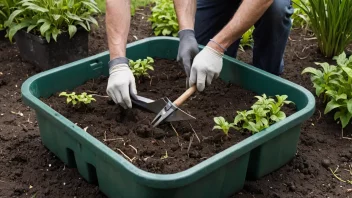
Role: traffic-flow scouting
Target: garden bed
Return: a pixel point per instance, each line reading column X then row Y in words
column 130, row 131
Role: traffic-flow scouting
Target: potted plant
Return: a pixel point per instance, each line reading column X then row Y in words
column 6, row 6
column 52, row 32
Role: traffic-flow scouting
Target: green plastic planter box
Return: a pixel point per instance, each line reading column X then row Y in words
column 219, row 176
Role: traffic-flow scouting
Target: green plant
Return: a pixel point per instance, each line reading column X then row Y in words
column 164, row 19
column 334, row 83
column 6, row 8
column 330, row 21
column 263, row 113
column 140, row 67
column 49, row 18
column 223, row 125
column 77, row 99
column 299, row 18
column 247, row 38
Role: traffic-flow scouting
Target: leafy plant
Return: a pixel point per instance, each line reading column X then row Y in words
column 49, row 18
column 79, row 99
column 263, row 113
column 335, row 84
column 223, row 125
column 247, row 38
column 164, row 19
column 330, row 22
column 140, row 67
column 299, row 18
column 6, row 8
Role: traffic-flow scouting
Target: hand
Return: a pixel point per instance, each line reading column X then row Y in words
column 187, row 49
column 121, row 83
column 206, row 66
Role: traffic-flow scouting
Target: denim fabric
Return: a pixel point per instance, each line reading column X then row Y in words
column 270, row 34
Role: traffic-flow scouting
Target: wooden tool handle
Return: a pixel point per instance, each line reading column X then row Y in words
column 185, row 95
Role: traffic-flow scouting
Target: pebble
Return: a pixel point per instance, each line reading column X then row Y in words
column 325, row 163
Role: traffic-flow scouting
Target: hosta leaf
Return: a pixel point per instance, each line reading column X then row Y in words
column 43, row 21
column 45, row 27
column 72, row 30
column 331, row 105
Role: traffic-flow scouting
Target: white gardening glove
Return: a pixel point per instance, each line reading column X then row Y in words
column 206, row 66
column 121, row 82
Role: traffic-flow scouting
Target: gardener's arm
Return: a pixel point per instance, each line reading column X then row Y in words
column 121, row 80
column 208, row 63
column 188, row 48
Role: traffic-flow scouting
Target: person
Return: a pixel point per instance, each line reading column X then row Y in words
column 217, row 25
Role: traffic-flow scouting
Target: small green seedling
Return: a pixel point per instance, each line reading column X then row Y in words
column 223, row 125
column 263, row 113
column 77, row 99
column 140, row 67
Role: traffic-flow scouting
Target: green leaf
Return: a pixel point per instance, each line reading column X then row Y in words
column 311, row 70
column 31, row 27
column 341, row 59
column 281, row 115
column 337, row 115
column 13, row 30
column 73, row 17
column 348, row 71
column 349, row 105
column 12, row 17
column 55, row 33
column 345, row 118
column 72, row 30
column 83, row 25
column 47, row 36
column 331, row 105
column 217, row 127
column 68, row 100
column 45, row 27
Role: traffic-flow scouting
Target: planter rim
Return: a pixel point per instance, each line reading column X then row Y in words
column 199, row 170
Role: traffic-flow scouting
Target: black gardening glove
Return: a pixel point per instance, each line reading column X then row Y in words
column 187, row 49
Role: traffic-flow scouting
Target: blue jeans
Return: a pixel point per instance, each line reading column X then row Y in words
column 270, row 34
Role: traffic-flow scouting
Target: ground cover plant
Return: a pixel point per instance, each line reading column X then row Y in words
column 49, row 18
column 6, row 8
column 330, row 23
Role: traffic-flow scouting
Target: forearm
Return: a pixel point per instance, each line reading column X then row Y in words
column 118, row 19
column 245, row 17
column 185, row 12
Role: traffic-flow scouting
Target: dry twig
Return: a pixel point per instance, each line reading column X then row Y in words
column 190, row 143
column 194, row 132
column 126, row 156
column 133, row 148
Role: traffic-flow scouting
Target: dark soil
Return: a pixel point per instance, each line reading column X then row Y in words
column 131, row 132
column 27, row 168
